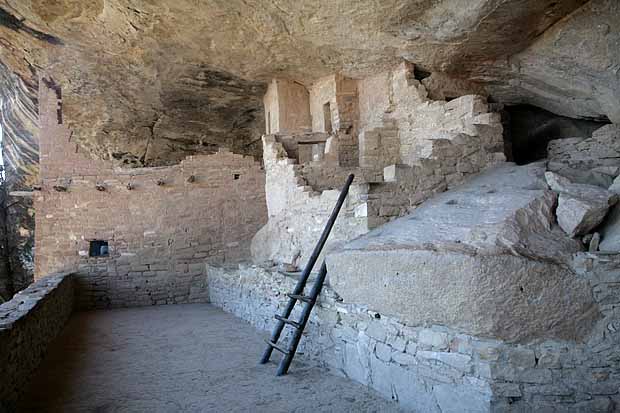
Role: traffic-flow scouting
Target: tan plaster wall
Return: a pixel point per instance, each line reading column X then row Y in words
column 341, row 93
column 294, row 101
column 159, row 235
column 287, row 107
column 272, row 110
column 321, row 92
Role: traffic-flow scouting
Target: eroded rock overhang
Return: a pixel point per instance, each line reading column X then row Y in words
column 147, row 83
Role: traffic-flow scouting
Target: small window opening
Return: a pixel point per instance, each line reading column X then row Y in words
column 236, row 176
column 327, row 115
column 268, row 123
column 98, row 249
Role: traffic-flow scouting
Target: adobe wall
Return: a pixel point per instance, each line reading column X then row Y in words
column 341, row 94
column 161, row 225
column 287, row 107
column 396, row 104
column 410, row 148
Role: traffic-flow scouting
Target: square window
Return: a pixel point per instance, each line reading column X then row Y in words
column 98, row 249
column 236, row 176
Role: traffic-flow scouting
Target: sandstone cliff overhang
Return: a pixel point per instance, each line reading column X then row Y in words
column 151, row 82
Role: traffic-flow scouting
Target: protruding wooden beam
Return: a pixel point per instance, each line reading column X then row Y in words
column 26, row 194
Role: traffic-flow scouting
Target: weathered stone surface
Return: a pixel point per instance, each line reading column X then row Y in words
column 141, row 69
column 615, row 185
column 471, row 374
column 481, row 253
column 610, row 231
column 159, row 236
column 594, row 160
column 18, row 119
column 570, row 69
column 581, row 207
column 28, row 323
column 523, row 303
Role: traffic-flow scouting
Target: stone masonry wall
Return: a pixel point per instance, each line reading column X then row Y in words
column 297, row 213
column 396, row 100
column 28, row 323
column 430, row 368
column 409, row 148
column 341, row 94
column 287, row 107
column 161, row 224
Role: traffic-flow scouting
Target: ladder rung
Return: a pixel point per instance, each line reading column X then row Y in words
column 288, row 321
column 277, row 347
column 303, row 298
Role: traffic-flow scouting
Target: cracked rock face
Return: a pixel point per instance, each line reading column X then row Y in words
column 149, row 82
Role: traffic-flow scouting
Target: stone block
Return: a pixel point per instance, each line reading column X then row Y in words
column 404, row 359
column 457, row 399
column 383, row 352
column 457, row 361
column 580, row 207
column 521, row 357
column 433, row 339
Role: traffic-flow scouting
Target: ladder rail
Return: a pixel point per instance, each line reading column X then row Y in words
column 303, row 320
column 301, row 284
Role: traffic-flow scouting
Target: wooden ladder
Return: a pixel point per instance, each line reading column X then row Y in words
column 298, row 296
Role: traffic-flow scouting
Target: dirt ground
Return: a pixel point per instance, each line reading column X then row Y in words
column 180, row 358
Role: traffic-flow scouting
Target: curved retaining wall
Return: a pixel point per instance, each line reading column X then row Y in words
column 28, row 323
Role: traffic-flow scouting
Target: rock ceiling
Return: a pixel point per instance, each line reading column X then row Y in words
column 147, row 82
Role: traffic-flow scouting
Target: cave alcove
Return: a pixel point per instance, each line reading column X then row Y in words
column 528, row 129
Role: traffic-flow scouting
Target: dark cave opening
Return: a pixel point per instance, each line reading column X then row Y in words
column 528, row 129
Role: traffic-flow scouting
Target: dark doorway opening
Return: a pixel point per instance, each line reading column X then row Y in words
column 528, row 130
column 327, row 116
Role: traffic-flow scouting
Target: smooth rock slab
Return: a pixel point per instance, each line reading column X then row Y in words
column 505, row 297
column 485, row 258
column 610, row 231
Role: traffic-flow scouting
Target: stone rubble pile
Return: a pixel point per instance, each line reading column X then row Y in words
column 585, row 172
column 594, row 160
column 581, row 207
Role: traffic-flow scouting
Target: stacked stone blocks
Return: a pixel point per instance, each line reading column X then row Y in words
column 161, row 224
column 28, row 323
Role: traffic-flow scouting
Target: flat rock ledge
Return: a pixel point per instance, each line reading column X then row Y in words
column 485, row 258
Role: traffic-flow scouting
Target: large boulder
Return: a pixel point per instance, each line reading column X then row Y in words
column 485, row 258
column 581, row 207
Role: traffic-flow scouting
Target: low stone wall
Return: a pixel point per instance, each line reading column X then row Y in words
column 432, row 368
column 28, row 323
column 126, row 282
